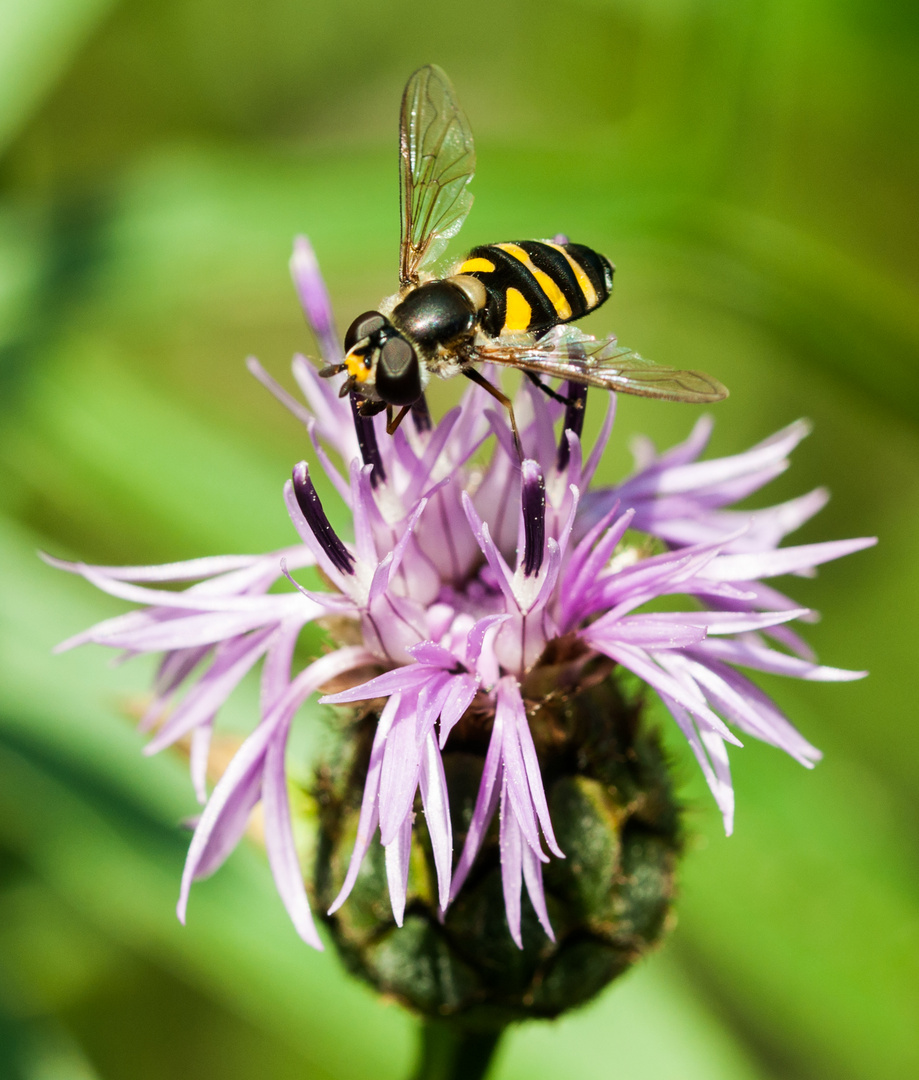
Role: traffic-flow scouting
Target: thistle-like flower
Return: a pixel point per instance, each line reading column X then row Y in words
column 495, row 638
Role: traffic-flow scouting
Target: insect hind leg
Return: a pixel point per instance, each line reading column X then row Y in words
column 480, row 380
column 576, row 402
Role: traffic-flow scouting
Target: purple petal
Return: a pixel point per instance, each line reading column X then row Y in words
column 475, row 639
column 764, row 455
column 231, row 662
column 198, row 758
column 511, row 865
column 783, row 561
column 279, row 840
column 641, row 664
column 401, row 770
column 509, row 689
column 190, row 600
column 719, row 782
column 314, row 298
column 176, row 571
column 515, row 771
column 427, row 652
column 369, row 816
column 502, row 571
column 364, row 509
column 398, row 854
column 752, row 710
column 463, row 689
column 485, row 805
column 532, row 875
column 748, row 654
column 187, row 632
column 398, row 552
column 732, row 622
column 300, row 411
column 399, row 680
column 431, row 700
column 332, row 414
column 175, row 668
column 276, row 669
column 599, row 449
column 436, row 802
column 647, row 631
column 227, row 812
column 224, row 818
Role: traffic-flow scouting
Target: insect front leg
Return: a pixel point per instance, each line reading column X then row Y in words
column 392, row 424
column 366, row 407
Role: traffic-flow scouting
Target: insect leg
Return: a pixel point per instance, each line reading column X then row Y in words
column 560, row 398
column 392, row 424
column 480, row 380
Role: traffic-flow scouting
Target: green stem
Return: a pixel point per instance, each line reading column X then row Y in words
column 449, row 1052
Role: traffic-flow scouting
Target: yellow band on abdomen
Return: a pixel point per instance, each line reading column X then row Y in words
column 482, row 265
column 554, row 294
column 519, row 312
column 590, row 293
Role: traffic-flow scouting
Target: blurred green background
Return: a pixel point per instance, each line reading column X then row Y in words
column 751, row 169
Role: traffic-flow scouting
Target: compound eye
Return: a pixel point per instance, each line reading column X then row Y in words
column 398, row 377
column 363, row 326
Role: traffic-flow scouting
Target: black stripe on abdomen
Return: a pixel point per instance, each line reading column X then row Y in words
column 508, row 273
column 597, row 267
column 532, row 286
column 553, row 263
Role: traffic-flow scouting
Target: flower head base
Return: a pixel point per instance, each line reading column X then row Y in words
column 486, row 617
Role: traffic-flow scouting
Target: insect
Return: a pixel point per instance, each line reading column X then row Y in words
column 509, row 304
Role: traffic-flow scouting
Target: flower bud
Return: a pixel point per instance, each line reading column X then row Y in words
column 608, row 900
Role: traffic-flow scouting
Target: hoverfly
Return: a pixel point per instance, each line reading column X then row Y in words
column 506, row 304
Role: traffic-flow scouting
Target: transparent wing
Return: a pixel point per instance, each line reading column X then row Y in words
column 437, row 160
column 567, row 353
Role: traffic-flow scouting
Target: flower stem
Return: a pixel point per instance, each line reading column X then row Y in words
column 449, row 1052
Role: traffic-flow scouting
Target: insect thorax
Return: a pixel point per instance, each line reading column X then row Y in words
column 436, row 317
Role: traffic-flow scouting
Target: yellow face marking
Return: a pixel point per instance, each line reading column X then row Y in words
column 484, row 266
column 359, row 366
column 518, row 314
column 548, row 286
column 590, row 293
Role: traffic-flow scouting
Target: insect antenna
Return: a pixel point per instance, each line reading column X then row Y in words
column 329, row 370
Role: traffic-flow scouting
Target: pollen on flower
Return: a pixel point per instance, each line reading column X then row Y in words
column 494, row 789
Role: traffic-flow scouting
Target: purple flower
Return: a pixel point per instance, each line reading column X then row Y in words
column 460, row 577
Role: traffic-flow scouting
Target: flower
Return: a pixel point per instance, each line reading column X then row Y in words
column 465, row 586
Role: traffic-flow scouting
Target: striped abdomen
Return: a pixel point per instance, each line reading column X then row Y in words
column 534, row 285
